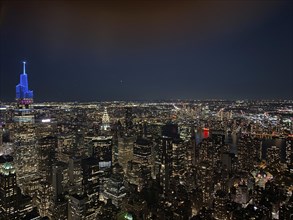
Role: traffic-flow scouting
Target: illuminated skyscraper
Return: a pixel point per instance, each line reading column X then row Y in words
column 114, row 187
column 105, row 121
column 164, row 160
column 24, row 96
column 24, row 136
column 9, row 193
column 128, row 119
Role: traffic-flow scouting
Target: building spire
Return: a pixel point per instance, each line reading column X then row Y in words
column 24, row 67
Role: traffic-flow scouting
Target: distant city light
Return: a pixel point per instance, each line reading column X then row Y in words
column 46, row 120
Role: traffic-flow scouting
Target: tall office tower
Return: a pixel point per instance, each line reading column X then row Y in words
column 218, row 137
column 137, row 175
column 44, row 198
column 26, row 163
column 128, row 119
column 142, row 152
column 192, row 150
column 164, row 155
column 114, row 187
column 139, row 170
column 105, row 121
column 115, row 145
column 248, row 151
column 170, row 130
column 273, row 155
column 46, row 157
column 46, row 127
column 65, row 143
column 179, row 157
column 101, row 148
column 59, row 180
column 205, row 149
column 26, row 208
column 9, row 192
column 125, row 150
column 79, row 148
column 164, row 161
column 77, row 207
column 228, row 161
column 205, row 182
column 289, row 152
column 24, row 136
column 58, row 204
column 75, row 176
column 91, row 183
column 154, row 129
column 24, row 96
column 59, row 209
column 220, row 203
column 1, row 136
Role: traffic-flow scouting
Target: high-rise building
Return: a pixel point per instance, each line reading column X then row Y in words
column 205, row 181
column 142, row 152
column 114, row 187
column 24, row 135
column 46, row 155
column 90, row 181
column 1, row 135
column 164, row 160
column 170, row 130
column 220, row 203
column 24, row 99
column 105, row 121
column 24, row 96
column 59, row 179
column 65, row 143
column 9, row 192
column 100, row 161
column 22, row 90
column 273, row 155
column 43, row 198
column 289, row 152
column 101, row 148
column 75, row 176
column 140, row 168
column 192, row 151
column 248, row 152
column 125, row 150
column 179, row 157
column 77, row 207
column 128, row 118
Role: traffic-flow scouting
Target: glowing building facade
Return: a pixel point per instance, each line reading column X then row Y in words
column 23, row 94
column 9, row 193
column 24, row 137
column 105, row 121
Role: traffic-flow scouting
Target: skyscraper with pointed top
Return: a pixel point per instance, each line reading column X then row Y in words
column 105, row 121
column 24, row 137
column 24, row 96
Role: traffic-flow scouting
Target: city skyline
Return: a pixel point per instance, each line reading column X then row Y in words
column 87, row 51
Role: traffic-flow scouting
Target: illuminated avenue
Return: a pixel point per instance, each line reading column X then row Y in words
column 176, row 159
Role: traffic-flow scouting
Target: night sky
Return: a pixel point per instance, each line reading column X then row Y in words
column 147, row 50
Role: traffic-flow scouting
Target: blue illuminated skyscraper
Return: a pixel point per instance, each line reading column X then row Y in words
column 23, row 94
